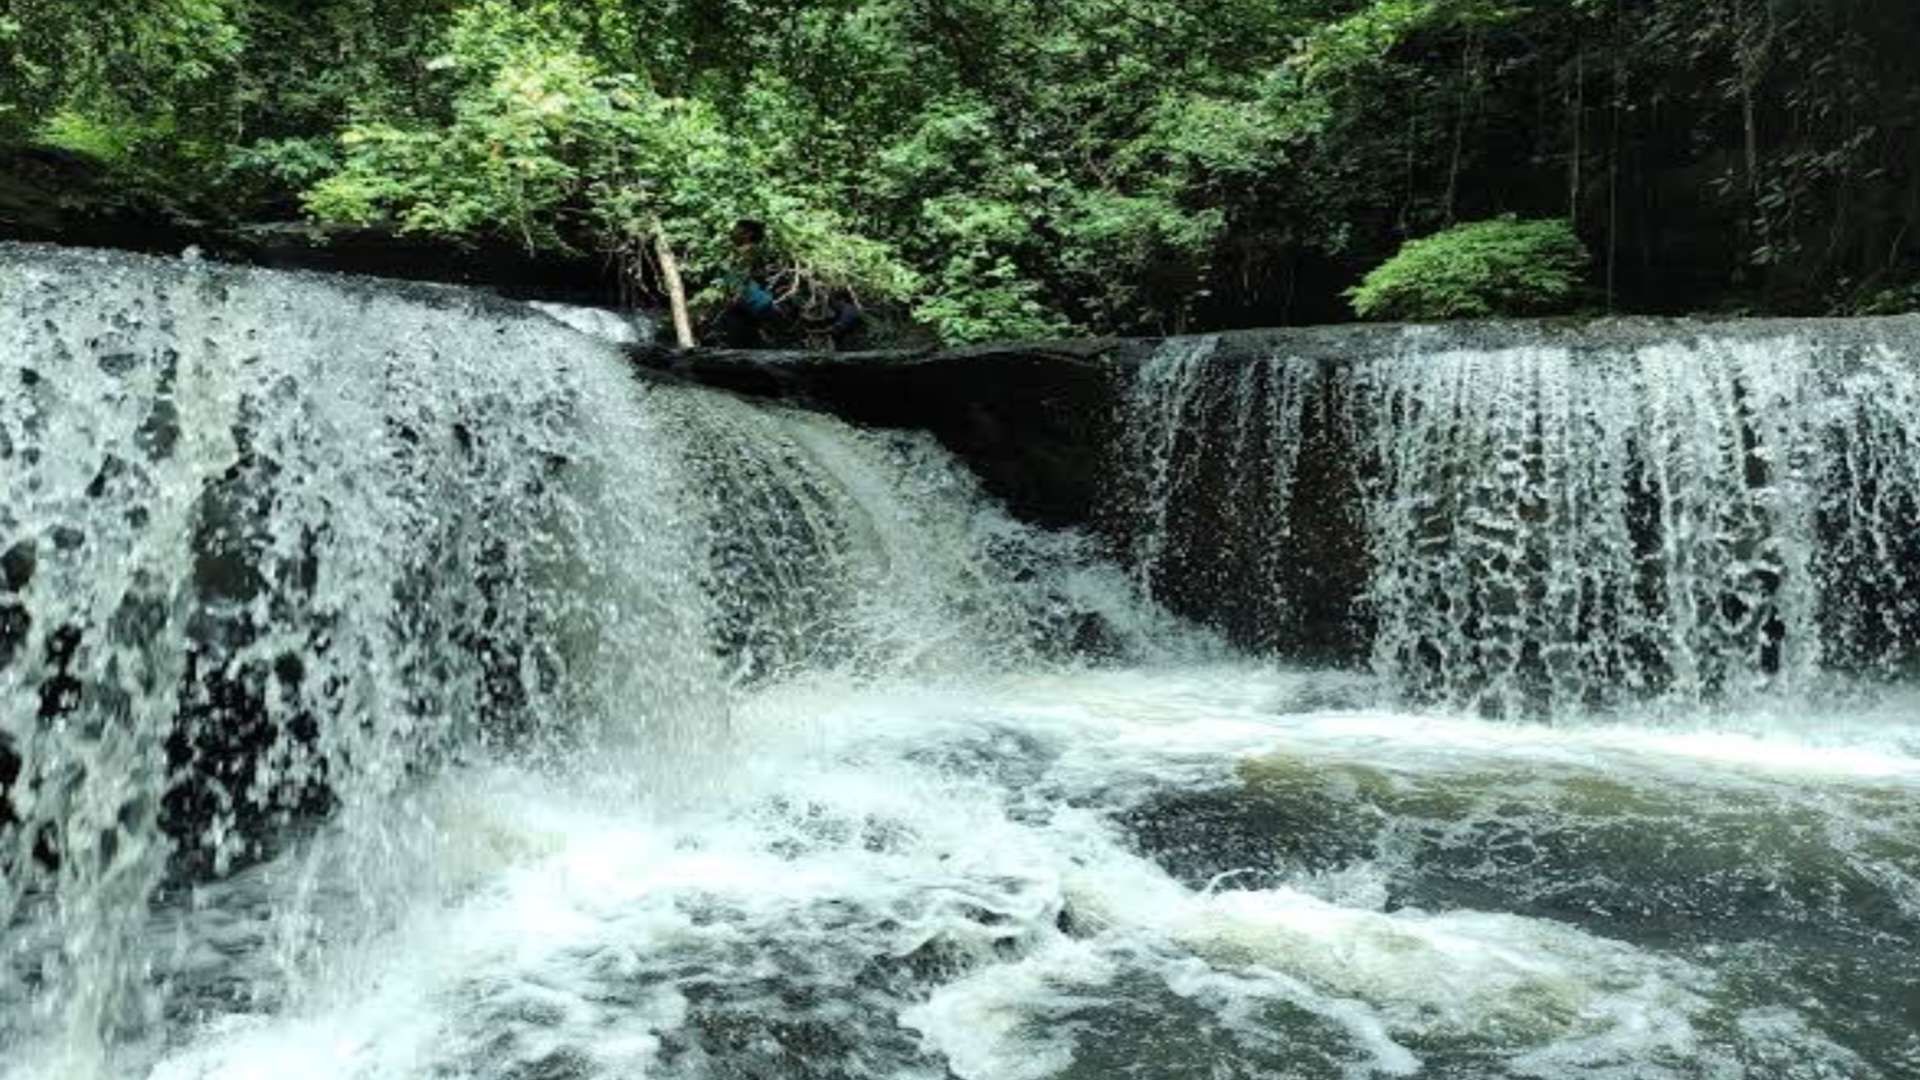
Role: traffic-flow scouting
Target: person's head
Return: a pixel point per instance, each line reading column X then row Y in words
column 748, row 233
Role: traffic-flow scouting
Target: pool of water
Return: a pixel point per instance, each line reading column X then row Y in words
column 1218, row 871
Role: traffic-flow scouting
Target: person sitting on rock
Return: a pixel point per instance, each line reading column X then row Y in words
column 831, row 320
column 751, row 305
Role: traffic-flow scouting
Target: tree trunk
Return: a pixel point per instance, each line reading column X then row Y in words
column 1460, row 125
column 676, row 289
column 1578, row 116
column 1745, row 55
column 1613, row 155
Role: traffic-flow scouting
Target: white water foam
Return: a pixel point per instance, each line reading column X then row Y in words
column 969, row 834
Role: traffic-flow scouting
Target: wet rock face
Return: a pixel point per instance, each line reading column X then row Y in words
column 1512, row 516
column 57, row 693
column 231, row 714
column 1033, row 421
column 16, row 570
column 1525, row 518
column 1046, row 427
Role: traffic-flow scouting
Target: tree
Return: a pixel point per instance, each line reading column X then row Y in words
column 1001, row 168
column 541, row 143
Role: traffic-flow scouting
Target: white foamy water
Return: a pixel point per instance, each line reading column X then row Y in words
column 905, row 879
column 279, row 549
column 617, row 327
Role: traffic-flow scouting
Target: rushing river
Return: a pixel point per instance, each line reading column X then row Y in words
column 394, row 686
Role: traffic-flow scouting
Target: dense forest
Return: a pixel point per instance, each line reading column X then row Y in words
column 1016, row 168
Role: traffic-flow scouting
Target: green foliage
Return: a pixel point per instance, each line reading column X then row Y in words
column 979, row 298
column 546, row 146
column 1004, row 168
column 1131, row 258
column 1903, row 299
column 509, row 157
column 103, row 140
column 1364, row 38
column 292, row 163
column 137, row 56
column 1503, row 266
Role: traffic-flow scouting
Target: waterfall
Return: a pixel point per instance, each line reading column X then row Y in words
column 1213, row 454
column 1548, row 524
column 394, row 682
column 278, row 546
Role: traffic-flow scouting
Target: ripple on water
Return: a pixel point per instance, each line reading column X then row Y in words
column 1008, row 882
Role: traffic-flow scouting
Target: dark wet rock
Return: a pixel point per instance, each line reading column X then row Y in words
column 1655, row 877
column 1656, row 865
column 14, row 624
column 160, row 432
column 49, row 194
column 9, row 776
column 926, row 388
column 1138, row 1026
column 242, row 747
column 814, row 994
column 16, row 566
column 1034, row 421
column 1245, row 838
column 1327, row 691
column 1040, row 424
column 16, row 571
column 502, row 266
column 118, row 364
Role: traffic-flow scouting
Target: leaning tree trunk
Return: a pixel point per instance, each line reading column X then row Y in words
column 676, row 289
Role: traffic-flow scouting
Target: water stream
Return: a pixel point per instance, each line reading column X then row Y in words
column 393, row 685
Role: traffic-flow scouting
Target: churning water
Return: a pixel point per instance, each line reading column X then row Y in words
column 394, row 685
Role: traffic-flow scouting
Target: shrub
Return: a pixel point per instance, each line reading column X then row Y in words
column 1886, row 300
column 1502, row 266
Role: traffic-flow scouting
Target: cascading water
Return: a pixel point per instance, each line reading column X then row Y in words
column 1546, row 528
column 259, row 563
column 1214, row 463
column 260, row 566
column 395, row 685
